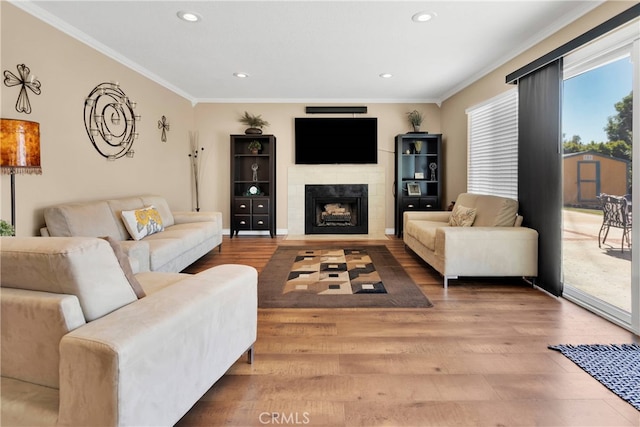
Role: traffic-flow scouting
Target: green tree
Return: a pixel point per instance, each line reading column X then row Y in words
column 572, row 147
column 620, row 149
column 619, row 127
column 619, row 132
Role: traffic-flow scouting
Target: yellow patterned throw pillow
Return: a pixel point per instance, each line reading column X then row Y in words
column 462, row 216
column 142, row 222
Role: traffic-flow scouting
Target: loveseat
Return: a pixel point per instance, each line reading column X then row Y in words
column 169, row 243
column 85, row 345
column 481, row 237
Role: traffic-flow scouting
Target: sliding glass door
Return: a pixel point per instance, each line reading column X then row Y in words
column 600, row 111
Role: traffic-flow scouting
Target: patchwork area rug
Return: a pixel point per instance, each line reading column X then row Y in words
column 617, row 367
column 336, row 277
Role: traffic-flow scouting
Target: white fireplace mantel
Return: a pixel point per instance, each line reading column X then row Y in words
column 301, row 175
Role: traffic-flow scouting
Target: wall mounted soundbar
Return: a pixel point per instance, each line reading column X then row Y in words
column 337, row 109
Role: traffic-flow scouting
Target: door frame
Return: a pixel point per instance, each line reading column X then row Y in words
column 624, row 39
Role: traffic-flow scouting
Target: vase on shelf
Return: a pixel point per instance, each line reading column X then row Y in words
column 417, row 145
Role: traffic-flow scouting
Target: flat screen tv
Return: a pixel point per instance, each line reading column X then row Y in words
column 336, row 140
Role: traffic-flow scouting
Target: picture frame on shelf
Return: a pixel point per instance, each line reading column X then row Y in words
column 418, row 175
column 413, row 188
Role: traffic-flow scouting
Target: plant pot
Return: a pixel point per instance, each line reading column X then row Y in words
column 416, row 129
column 253, row 131
column 255, row 151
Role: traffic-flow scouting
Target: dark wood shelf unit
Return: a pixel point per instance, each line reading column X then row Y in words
column 253, row 211
column 410, row 161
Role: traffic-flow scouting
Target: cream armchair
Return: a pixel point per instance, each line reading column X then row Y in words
column 491, row 243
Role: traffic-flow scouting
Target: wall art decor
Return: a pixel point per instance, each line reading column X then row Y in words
column 25, row 80
column 163, row 124
column 110, row 121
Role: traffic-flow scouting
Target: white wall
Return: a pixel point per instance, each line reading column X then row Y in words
column 74, row 171
column 216, row 122
column 71, row 168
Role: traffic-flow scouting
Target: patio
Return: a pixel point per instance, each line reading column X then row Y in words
column 602, row 272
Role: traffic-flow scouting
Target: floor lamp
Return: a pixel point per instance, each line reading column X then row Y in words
column 19, row 153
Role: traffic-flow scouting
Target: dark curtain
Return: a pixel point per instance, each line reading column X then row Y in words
column 539, row 148
column 539, row 167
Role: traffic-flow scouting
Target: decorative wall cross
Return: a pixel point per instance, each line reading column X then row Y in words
column 25, row 80
column 164, row 125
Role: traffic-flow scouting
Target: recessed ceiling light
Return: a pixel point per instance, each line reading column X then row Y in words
column 188, row 16
column 241, row 75
column 423, row 16
column 386, row 75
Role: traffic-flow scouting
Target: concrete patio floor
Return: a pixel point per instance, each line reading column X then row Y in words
column 602, row 272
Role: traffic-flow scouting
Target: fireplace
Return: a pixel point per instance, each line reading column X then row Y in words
column 336, row 209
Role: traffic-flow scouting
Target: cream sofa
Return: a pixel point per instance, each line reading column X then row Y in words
column 494, row 245
column 80, row 349
column 186, row 237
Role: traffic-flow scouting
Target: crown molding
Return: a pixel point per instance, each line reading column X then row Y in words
column 31, row 8
column 41, row 14
column 339, row 101
column 538, row 37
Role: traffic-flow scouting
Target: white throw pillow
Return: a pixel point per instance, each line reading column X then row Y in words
column 462, row 216
column 142, row 222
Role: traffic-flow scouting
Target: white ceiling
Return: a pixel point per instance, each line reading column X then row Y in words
column 302, row 51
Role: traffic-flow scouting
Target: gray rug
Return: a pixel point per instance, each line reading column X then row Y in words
column 335, row 276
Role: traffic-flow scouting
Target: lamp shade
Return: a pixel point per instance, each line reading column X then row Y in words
column 20, row 147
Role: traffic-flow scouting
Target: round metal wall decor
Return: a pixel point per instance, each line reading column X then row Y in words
column 110, row 121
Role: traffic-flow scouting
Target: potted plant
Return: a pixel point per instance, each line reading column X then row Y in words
column 6, row 229
column 255, row 146
column 255, row 123
column 415, row 119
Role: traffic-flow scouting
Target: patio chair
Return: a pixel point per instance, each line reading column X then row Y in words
column 616, row 213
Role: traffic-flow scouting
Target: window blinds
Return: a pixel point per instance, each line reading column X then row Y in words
column 492, row 166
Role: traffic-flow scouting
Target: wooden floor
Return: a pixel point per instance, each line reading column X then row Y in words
column 479, row 357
